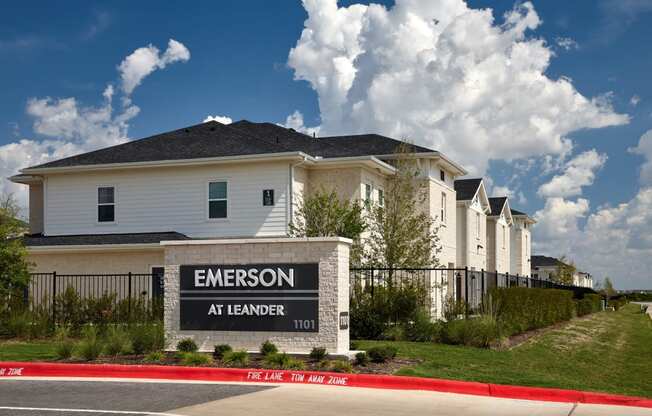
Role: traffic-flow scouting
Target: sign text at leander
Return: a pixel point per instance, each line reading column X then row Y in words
column 250, row 297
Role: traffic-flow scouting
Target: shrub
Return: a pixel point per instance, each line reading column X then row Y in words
column 340, row 366
column 268, row 347
column 154, row 357
column 590, row 303
column 147, row 337
column 283, row 361
column 477, row 332
column 18, row 324
column 236, row 358
column 382, row 353
column 394, row 333
column 196, row 358
column 422, row 329
column 64, row 345
column 187, row 345
column 519, row 309
column 117, row 341
column 362, row 358
column 318, row 353
column 220, row 350
column 90, row 347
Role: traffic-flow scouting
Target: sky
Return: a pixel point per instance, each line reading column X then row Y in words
column 550, row 101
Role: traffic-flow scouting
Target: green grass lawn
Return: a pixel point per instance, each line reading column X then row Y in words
column 607, row 352
column 26, row 351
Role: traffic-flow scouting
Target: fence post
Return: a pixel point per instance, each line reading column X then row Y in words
column 54, row 297
column 496, row 278
column 466, row 291
column 26, row 296
column 129, row 297
column 509, row 280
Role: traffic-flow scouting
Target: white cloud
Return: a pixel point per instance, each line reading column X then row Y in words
column 644, row 148
column 69, row 127
column 634, row 100
column 219, row 119
column 515, row 197
column 445, row 76
column 566, row 43
column 295, row 121
column 557, row 225
column 143, row 61
column 578, row 172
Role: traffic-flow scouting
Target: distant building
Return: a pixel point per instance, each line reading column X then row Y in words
column 545, row 268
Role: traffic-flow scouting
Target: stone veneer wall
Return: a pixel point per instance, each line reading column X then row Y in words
column 332, row 255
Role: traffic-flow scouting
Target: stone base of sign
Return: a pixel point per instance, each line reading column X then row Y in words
column 332, row 256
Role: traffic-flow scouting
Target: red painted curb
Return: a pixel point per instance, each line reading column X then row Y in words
column 36, row 369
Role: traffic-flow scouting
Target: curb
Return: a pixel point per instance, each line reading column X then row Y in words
column 36, row 369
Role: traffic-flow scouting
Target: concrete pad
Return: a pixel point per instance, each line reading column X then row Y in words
column 600, row 410
column 289, row 400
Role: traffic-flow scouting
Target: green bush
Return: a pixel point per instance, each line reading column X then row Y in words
column 362, row 358
column 590, row 303
column 476, row 332
column 147, row 337
column 187, row 345
column 64, row 346
column 394, row 333
column 268, row 347
column 220, row 350
column 283, row 361
column 154, row 357
column 318, row 353
column 336, row 366
column 117, row 341
column 196, row 358
column 422, row 329
column 18, row 324
column 520, row 309
column 236, row 358
column 374, row 310
column 381, row 353
column 90, row 347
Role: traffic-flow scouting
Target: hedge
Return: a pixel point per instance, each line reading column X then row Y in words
column 590, row 303
column 520, row 309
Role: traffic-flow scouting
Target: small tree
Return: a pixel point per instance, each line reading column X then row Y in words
column 400, row 233
column 323, row 214
column 565, row 271
column 608, row 288
column 14, row 268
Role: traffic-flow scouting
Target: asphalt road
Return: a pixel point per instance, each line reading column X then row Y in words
column 29, row 397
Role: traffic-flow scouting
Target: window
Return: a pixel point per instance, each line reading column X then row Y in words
column 504, row 235
column 526, row 247
column 217, row 194
column 381, row 197
column 367, row 192
column 442, row 175
column 106, row 204
column 443, row 208
column 477, row 225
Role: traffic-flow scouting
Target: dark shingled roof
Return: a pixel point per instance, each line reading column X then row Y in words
column 496, row 205
column 213, row 139
column 36, row 240
column 467, row 188
column 542, row 261
column 516, row 212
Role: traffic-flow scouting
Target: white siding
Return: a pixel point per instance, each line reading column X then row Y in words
column 171, row 199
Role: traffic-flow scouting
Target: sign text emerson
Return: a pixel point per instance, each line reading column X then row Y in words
column 250, row 297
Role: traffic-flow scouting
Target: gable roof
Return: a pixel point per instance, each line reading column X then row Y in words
column 516, row 212
column 496, row 205
column 543, row 261
column 467, row 188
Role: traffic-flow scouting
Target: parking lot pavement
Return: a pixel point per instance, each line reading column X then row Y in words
column 17, row 396
column 165, row 398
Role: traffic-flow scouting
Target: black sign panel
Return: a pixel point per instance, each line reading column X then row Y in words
column 268, row 197
column 250, row 297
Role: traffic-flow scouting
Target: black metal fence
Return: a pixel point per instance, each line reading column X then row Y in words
column 467, row 287
column 45, row 288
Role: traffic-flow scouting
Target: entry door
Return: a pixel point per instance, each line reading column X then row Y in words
column 158, row 288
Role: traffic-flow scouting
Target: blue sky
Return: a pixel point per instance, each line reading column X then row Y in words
column 239, row 68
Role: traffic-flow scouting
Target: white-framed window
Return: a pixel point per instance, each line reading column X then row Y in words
column 477, row 225
column 381, row 197
column 504, row 235
column 217, row 200
column 106, row 204
column 527, row 249
column 443, row 208
column 368, row 192
column 442, row 175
